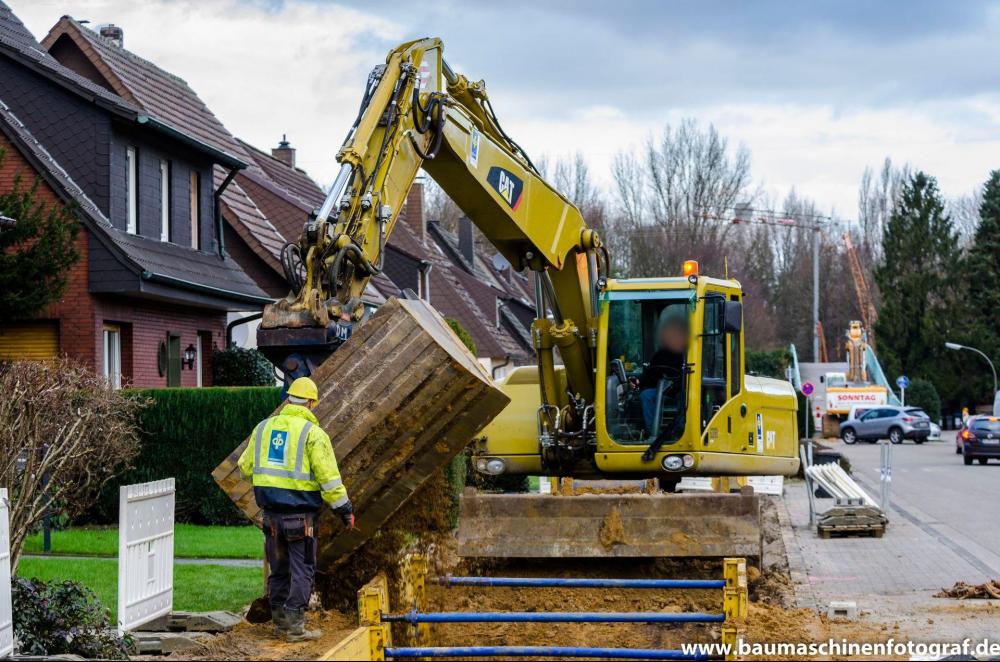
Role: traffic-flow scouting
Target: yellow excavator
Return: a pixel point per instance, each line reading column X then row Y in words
column 588, row 408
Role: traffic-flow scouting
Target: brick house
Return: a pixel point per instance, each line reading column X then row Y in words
column 150, row 296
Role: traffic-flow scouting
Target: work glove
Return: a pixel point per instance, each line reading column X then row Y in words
column 346, row 514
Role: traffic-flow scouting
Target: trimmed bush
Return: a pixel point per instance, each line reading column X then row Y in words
column 923, row 394
column 239, row 366
column 768, row 364
column 63, row 618
column 186, row 432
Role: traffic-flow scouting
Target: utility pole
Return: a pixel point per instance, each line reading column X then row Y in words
column 816, row 327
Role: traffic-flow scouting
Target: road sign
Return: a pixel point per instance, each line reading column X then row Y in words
column 903, row 381
column 807, row 389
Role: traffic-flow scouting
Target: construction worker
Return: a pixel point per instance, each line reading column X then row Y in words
column 295, row 476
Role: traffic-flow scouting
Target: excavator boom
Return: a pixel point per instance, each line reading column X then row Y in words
column 583, row 410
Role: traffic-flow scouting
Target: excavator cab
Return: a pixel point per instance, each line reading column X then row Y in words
column 672, row 396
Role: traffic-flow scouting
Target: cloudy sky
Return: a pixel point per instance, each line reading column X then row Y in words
column 816, row 90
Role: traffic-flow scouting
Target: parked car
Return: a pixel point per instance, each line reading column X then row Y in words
column 935, row 434
column 886, row 422
column 979, row 439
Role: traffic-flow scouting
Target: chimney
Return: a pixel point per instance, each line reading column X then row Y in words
column 466, row 245
column 112, row 34
column 284, row 152
column 415, row 211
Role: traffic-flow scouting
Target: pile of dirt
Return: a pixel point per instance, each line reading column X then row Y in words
column 987, row 591
column 259, row 642
column 612, row 530
column 772, row 624
column 422, row 525
column 767, row 623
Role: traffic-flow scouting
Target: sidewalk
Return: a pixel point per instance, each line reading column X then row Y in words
column 891, row 579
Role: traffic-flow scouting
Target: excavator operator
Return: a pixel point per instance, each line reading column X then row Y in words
column 665, row 367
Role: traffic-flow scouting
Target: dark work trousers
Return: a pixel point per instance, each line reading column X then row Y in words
column 290, row 545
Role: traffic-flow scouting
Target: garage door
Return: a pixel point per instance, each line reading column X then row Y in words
column 29, row 340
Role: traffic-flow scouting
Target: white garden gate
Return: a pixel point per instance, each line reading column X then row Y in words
column 6, row 608
column 145, row 552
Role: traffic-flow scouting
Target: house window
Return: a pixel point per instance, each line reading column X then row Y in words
column 113, row 355
column 195, row 211
column 164, row 200
column 173, row 359
column 131, row 192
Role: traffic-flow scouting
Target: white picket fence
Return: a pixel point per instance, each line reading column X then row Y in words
column 6, row 608
column 145, row 552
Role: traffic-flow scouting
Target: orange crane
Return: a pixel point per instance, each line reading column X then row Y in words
column 865, row 303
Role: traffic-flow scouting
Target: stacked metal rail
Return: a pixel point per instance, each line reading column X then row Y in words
column 373, row 606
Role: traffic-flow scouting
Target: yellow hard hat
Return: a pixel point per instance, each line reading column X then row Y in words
column 304, row 388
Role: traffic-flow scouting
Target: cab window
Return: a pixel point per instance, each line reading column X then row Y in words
column 646, row 384
column 713, row 359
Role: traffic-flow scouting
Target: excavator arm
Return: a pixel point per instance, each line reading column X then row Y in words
column 418, row 114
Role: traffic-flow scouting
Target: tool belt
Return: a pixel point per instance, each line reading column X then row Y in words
column 291, row 526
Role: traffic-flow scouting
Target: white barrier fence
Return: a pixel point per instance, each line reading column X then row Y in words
column 6, row 608
column 145, row 552
column 838, row 484
column 773, row 485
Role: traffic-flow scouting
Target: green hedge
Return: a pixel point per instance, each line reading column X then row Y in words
column 186, row 433
column 923, row 394
column 768, row 364
column 239, row 366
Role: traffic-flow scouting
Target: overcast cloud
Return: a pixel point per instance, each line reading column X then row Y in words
column 816, row 90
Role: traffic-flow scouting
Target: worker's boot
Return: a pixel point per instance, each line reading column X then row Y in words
column 297, row 626
column 279, row 619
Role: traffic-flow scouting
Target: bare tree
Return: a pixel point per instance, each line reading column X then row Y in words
column 964, row 212
column 67, row 433
column 676, row 195
column 439, row 207
column 877, row 196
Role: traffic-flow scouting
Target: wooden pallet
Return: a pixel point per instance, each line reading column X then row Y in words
column 851, row 520
column 399, row 400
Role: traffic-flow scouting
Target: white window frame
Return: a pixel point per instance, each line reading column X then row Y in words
column 164, row 200
column 198, row 362
column 195, row 196
column 131, row 192
column 112, row 342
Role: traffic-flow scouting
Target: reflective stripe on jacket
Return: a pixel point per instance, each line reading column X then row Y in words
column 292, row 463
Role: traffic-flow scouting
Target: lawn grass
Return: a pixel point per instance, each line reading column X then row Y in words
column 190, row 541
column 196, row 587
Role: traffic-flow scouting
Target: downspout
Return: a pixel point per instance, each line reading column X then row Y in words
column 239, row 322
column 217, row 198
column 506, row 363
column 425, row 279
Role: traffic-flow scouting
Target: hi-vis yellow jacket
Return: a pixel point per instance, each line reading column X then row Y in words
column 292, row 463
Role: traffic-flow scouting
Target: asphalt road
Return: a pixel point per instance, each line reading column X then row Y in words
column 932, row 487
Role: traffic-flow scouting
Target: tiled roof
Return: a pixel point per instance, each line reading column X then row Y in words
column 17, row 40
column 149, row 257
column 515, row 285
column 162, row 95
column 462, row 296
column 250, row 222
column 293, row 180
